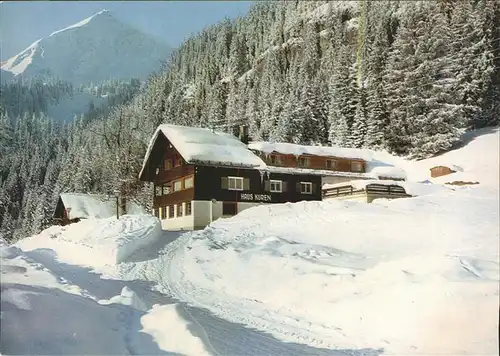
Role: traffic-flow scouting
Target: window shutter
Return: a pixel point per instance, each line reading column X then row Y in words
column 246, row 184
column 223, row 183
column 267, row 186
column 297, row 187
column 284, row 186
column 313, row 188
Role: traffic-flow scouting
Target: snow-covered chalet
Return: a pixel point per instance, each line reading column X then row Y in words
column 73, row 207
column 201, row 175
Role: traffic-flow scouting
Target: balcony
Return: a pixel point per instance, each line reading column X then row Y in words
column 174, row 198
column 174, row 173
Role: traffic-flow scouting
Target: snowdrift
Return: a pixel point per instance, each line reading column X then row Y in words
column 97, row 242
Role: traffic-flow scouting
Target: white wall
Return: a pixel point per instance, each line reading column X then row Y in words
column 200, row 215
column 178, row 222
column 201, row 211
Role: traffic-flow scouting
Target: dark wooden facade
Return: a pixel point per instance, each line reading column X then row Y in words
column 330, row 163
column 210, row 184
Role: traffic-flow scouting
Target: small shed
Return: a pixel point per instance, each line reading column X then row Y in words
column 72, row 207
column 444, row 169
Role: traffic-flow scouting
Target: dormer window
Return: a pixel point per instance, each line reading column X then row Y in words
column 177, row 161
column 276, row 160
column 331, row 164
column 303, row 162
column 356, row 166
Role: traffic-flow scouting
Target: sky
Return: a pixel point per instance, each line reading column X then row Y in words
column 23, row 22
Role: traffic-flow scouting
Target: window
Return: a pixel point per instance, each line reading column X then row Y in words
column 188, row 183
column 276, row 160
column 171, row 211
column 163, row 212
column 179, row 209
column 177, row 185
column 228, row 208
column 331, row 164
column 235, row 183
column 356, row 166
column 188, row 208
column 303, row 162
column 178, row 161
column 276, row 186
column 157, row 212
column 306, row 187
column 166, row 189
column 168, row 164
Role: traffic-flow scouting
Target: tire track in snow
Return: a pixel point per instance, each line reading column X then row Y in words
column 174, row 282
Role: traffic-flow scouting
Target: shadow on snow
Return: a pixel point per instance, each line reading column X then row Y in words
column 219, row 336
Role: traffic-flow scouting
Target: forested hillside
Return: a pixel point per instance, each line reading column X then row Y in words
column 40, row 157
column 408, row 77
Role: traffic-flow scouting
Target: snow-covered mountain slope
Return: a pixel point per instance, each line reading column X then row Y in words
column 98, row 48
column 477, row 160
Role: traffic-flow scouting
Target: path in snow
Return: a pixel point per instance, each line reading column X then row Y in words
column 219, row 336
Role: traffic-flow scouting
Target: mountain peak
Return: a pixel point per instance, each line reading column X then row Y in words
column 96, row 48
column 82, row 23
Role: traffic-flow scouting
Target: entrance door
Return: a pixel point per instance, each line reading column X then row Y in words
column 229, row 208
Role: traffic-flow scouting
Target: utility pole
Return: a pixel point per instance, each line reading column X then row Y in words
column 117, row 196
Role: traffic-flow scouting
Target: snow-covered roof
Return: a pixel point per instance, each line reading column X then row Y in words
column 448, row 165
column 201, row 145
column 297, row 150
column 387, row 171
column 85, row 206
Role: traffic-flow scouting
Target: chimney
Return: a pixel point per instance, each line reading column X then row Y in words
column 244, row 134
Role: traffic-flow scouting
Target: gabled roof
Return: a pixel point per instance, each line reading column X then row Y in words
column 325, row 151
column 199, row 145
column 85, row 206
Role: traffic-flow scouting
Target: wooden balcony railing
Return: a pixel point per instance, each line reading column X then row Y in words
column 174, row 173
column 174, row 198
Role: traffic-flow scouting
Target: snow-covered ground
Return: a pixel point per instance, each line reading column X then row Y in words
column 408, row 276
column 50, row 305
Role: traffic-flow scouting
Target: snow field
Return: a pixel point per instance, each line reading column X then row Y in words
column 341, row 282
column 44, row 313
column 97, row 242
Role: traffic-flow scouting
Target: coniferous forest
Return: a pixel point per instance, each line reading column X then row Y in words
column 405, row 76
